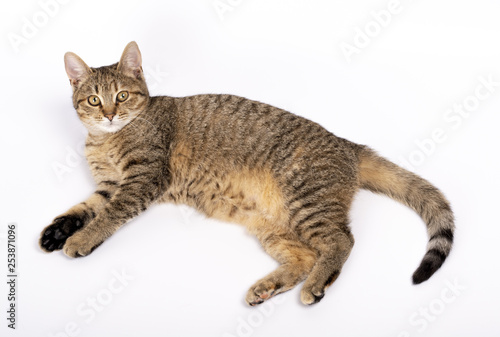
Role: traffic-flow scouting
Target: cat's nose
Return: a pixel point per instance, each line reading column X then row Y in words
column 110, row 116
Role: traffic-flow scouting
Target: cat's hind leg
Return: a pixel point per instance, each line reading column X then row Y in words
column 333, row 242
column 296, row 261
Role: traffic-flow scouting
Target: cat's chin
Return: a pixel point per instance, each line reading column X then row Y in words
column 109, row 127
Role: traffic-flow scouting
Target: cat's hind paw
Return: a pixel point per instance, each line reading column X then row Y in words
column 262, row 291
column 312, row 295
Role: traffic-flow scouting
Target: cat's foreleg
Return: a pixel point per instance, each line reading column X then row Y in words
column 77, row 217
column 133, row 196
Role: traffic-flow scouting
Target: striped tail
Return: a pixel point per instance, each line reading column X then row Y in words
column 381, row 176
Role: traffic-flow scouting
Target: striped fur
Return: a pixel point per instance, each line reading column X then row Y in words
column 381, row 176
column 285, row 178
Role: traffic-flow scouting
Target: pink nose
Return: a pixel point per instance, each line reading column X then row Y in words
column 110, row 116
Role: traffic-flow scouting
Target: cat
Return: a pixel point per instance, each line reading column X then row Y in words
column 285, row 178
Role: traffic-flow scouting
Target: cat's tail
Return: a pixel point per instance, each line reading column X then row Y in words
column 381, row 176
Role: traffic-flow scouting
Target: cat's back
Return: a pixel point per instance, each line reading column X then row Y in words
column 247, row 132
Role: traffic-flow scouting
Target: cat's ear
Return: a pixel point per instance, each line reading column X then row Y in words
column 131, row 61
column 76, row 69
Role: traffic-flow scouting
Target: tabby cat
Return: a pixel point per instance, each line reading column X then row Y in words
column 285, row 178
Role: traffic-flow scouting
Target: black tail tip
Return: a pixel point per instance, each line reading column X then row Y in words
column 426, row 269
column 432, row 261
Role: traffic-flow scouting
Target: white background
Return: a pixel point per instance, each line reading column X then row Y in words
column 189, row 275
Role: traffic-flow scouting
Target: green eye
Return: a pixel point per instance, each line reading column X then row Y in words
column 122, row 96
column 94, row 100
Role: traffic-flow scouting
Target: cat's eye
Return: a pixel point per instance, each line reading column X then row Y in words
column 122, row 96
column 94, row 100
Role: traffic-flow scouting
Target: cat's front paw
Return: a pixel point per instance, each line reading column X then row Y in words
column 55, row 235
column 81, row 244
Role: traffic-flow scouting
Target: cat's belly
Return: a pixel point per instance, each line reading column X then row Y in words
column 249, row 197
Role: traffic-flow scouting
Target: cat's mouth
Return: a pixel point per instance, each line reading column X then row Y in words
column 111, row 126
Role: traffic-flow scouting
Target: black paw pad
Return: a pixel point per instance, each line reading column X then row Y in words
column 54, row 236
column 318, row 298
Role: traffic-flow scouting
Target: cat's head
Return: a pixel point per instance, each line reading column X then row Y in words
column 108, row 98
